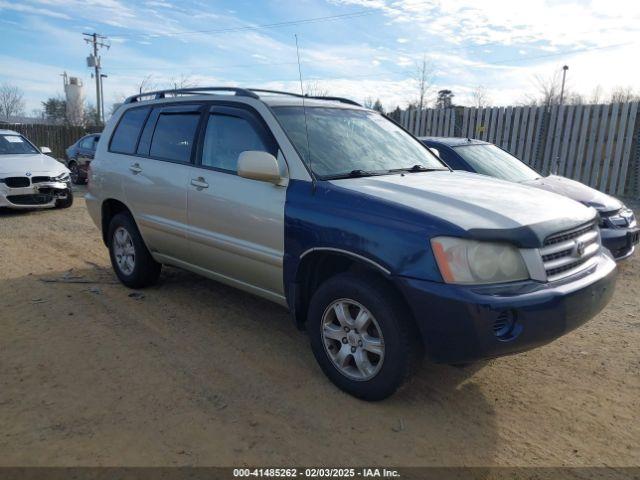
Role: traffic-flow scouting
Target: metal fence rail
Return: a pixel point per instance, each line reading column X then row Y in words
column 595, row 144
column 56, row 137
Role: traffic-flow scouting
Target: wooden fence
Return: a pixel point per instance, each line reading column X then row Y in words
column 56, row 137
column 595, row 144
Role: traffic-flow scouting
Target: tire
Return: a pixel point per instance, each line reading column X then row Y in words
column 76, row 177
column 378, row 375
column 66, row 203
column 134, row 268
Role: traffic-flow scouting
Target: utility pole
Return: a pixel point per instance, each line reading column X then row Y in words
column 96, row 41
column 102, row 77
column 564, row 76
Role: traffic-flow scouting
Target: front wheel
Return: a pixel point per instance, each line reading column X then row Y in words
column 65, row 202
column 362, row 336
column 130, row 258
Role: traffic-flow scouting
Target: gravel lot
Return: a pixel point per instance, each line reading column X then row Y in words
column 191, row 372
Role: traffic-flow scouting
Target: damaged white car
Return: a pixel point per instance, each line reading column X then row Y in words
column 30, row 179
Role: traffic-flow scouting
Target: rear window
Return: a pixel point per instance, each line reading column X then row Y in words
column 125, row 137
column 174, row 135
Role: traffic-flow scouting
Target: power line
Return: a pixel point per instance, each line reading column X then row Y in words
column 344, row 16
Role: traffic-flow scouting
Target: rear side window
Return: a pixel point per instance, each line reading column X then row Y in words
column 174, row 136
column 125, row 137
column 226, row 138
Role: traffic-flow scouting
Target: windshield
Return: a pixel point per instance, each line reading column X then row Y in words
column 495, row 162
column 344, row 141
column 12, row 144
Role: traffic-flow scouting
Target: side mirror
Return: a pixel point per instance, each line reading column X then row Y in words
column 436, row 151
column 260, row 166
column 45, row 149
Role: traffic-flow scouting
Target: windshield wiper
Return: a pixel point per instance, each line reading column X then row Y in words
column 417, row 168
column 352, row 174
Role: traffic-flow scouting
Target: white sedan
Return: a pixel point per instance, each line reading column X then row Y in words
column 30, row 179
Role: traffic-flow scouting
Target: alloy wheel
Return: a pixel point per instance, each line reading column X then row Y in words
column 352, row 339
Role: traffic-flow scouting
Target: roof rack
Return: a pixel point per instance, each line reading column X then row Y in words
column 314, row 97
column 158, row 94
column 240, row 92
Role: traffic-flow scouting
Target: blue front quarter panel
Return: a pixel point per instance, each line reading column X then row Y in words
column 394, row 236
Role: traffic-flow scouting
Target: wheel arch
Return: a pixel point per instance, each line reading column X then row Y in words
column 110, row 208
column 317, row 265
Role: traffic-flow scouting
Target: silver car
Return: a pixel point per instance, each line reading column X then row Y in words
column 376, row 247
column 29, row 178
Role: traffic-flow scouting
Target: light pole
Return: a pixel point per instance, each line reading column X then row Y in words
column 564, row 76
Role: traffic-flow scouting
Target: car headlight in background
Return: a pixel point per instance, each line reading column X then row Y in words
column 471, row 262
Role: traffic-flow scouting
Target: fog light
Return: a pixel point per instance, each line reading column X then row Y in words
column 504, row 325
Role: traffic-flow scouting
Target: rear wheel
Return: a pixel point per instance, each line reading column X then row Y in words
column 130, row 258
column 362, row 336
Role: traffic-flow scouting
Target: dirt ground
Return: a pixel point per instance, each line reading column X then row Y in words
column 191, row 372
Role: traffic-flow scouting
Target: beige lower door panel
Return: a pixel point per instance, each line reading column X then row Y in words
column 236, row 229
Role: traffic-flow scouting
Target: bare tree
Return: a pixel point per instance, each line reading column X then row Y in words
column 423, row 78
column 147, row 84
column 314, row 89
column 548, row 90
column 182, row 81
column 596, row 95
column 480, row 97
column 11, row 101
column 623, row 94
column 376, row 104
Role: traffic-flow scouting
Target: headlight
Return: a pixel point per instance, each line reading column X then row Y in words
column 475, row 263
column 63, row 177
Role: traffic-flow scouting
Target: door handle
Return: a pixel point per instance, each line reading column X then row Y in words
column 199, row 183
column 135, row 168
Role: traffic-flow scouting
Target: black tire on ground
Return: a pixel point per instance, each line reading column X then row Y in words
column 402, row 349
column 146, row 270
column 66, row 202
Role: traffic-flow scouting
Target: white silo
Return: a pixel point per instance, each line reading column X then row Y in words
column 74, row 95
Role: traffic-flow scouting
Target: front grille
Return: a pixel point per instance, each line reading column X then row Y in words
column 569, row 252
column 34, row 199
column 17, row 182
column 41, row 179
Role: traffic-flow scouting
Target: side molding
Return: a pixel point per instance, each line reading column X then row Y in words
column 347, row 253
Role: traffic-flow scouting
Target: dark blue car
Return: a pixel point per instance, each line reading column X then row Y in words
column 618, row 226
column 80, row 155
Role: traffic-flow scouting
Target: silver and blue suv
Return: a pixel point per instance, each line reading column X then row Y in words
column 378, row 250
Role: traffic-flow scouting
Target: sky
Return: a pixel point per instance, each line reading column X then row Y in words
column 355, row 48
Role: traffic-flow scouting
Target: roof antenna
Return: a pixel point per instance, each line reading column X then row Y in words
column 304, row 111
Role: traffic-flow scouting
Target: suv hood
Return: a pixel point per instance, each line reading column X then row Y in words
column 20, row 165
column 485, row 207
column 577, row 191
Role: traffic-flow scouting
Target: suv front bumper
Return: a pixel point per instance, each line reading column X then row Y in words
column 467, row 323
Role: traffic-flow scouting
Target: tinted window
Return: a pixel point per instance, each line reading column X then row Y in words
column 226, row 138
column 174, row 135
column 128, row 130
column 495, row 162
